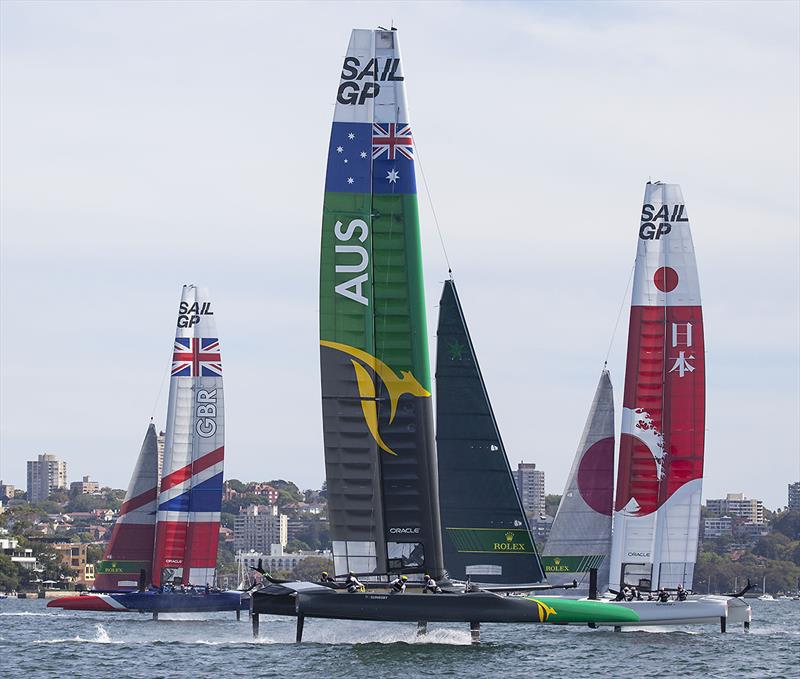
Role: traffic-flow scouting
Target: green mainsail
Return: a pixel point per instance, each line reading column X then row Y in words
column 377, row 417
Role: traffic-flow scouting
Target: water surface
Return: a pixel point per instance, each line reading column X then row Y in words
column 39, row 642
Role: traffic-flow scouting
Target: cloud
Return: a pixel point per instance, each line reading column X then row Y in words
column 147, row 145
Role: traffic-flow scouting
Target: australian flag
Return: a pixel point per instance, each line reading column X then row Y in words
column 371, row 157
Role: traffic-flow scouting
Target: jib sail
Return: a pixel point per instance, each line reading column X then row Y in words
column 190, row 496
column 580, row 537
column 659, row 479
column 485, row 533
column 130, row 549
column 376, row 402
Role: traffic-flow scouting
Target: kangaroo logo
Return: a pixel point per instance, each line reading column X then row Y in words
column 396, row 386
column 544, row 610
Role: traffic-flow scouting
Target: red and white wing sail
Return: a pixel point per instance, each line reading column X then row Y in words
column 190, row 497
column 659, row 479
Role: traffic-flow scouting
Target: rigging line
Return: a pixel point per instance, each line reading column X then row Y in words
column 433, row 209
column 619, row 314
column 167, row 370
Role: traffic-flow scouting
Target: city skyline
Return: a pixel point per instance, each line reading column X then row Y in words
column 165, row 162
column 530, row 495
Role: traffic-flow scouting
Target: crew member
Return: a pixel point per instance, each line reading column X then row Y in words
column 429, row 585
column 663, row 595
column 627, row 593
column 353, row 584
column 681, row 593
column 324, row 578
column 398, row 585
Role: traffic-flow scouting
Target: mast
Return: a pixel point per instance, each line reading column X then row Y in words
column 660, row 473
column 485, row 532
column 580, row 537
column 190, row 497
column 130, row 549
column 380, row 458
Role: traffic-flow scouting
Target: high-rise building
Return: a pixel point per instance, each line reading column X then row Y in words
column 84, row 487
column 736, row 504
column 258, row 527
column 794, row 495
column 45, row 475
column 530, row 486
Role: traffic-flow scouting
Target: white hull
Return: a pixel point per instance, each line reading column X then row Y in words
column 696, row 610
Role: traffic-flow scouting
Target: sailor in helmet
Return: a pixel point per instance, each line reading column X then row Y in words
column 325, row 578
column 429, row 585
column 398, row 585
column 680, row 595
column 353, row 584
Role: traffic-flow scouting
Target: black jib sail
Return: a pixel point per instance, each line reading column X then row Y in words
column 486, row 536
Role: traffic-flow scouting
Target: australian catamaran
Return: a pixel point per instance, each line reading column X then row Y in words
column 380, row 457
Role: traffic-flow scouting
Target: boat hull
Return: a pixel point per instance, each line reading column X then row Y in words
column 701, row 610
column 321, row 602
column 154, row 602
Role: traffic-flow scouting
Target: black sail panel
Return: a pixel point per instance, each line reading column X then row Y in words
column 485, row 534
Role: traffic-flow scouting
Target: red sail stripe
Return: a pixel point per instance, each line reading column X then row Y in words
column 180, row 475
column 138, row 501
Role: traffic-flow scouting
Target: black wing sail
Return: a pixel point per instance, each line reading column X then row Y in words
column 485, row 533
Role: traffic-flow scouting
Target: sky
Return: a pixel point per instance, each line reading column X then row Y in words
column 147, row 145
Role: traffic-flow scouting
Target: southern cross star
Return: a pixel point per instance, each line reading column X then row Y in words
column 351, row 136
column 350, row 180
column 339, row 149
column 456, row 349
column 363, row 154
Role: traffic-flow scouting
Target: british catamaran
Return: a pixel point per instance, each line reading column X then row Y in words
column 163, row 550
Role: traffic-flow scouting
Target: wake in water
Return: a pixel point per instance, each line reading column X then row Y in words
column 101, row 637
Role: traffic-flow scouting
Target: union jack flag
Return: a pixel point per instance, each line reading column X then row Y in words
column 196, row 357
column 392, row 138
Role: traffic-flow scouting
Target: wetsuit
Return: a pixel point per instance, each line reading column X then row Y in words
column 398, row 585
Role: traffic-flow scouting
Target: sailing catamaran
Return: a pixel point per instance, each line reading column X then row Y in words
column 660, row 472
column 167, row 533
column 380, row 457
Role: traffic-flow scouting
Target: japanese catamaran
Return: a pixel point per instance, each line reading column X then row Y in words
column 380, row 456
column 163, row 549
column 477, row 495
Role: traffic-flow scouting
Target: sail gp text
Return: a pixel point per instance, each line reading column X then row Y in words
column 206, row 413
column 657, row 224
column 362, row 82
column 189, row 314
